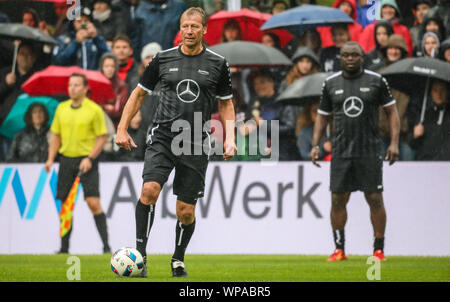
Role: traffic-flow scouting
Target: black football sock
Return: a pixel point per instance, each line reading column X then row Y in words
column 182, row 238
column 144, row 221
column 378, row 244
column 339, row 239
column 100, row 222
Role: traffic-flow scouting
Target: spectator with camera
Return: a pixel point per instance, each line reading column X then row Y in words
column 82, row 45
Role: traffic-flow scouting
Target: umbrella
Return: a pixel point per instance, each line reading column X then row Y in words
column 14, row 120
column 413, row 74
column 55, row 79
column 249, row 22
column 307, row 16
column 250, row 54
column 305, row 90
column 18, row 31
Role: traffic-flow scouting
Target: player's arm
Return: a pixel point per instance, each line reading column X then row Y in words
column 394, row 129
column 227, row 115
column 319, row 129
column 55, row 144
column 324, row 114
column 123, row 139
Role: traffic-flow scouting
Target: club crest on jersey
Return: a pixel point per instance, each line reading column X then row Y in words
column 188, row 91
column 353, row 106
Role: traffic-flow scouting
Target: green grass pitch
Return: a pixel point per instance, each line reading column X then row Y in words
column 229, row 268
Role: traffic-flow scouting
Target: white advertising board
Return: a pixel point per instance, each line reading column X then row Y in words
column 248, row 208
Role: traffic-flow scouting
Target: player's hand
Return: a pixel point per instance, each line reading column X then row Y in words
column 315, row 156
column 48, row 165
column 392, row 154
column 230, row 150
column 124, row 140
column 85, row 165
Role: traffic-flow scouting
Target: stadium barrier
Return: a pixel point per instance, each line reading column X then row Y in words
column 248, row 208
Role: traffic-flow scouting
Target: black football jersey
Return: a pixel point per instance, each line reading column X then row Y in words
column 189, row 85
column 354, row 104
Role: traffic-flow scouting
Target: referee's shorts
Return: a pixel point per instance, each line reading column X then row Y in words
column 356, row 174
column 190, row 170
column 68, row 170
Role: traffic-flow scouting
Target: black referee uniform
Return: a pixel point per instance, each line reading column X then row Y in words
column 356, row 162
column 189, row 85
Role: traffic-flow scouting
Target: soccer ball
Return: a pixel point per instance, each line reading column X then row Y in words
column 127, row 262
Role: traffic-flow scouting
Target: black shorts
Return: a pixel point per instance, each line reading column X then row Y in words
column 68, row 170
column 356, row 174
column 190, row 170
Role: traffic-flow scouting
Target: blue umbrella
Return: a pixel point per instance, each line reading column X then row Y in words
column 14, row 121
column 307, row 16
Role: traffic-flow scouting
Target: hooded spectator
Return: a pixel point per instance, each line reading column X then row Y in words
column 383, row 30
column 114, row 107
column 305, row 63
column 82, row 45
column 30, row 145
column 330, row 57
column 388, row 11
column 430, row 45
column 355, row 29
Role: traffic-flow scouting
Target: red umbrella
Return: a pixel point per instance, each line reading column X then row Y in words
column 55, row 80
column 249, row 22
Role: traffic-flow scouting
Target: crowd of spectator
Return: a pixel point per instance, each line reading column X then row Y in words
column 120, row 37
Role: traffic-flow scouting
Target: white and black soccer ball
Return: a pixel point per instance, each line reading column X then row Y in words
column 127, row 262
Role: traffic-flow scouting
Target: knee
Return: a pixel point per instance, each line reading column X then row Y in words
column 375, row 201
column 185, row 215
column 94, row 205
column 150, row 193
column 339, row 203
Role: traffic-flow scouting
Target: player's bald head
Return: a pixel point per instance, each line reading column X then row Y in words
column 352, row 46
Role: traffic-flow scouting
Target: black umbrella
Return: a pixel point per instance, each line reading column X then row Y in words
column 413, row 75
column 17, row 31
column 305, row 90
column 249, row 54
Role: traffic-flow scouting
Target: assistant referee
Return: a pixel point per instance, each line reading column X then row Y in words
column 78, row 135
column 191, row 77
column 353, row 97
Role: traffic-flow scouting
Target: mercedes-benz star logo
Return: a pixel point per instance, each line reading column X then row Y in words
column 188, row 91
column 353, row 106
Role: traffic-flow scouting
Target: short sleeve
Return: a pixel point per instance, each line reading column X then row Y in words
column 224, row 89
column 150, row 77
column 386, row 97
column 56, row 125
column 325, row 106
column 99, row 123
